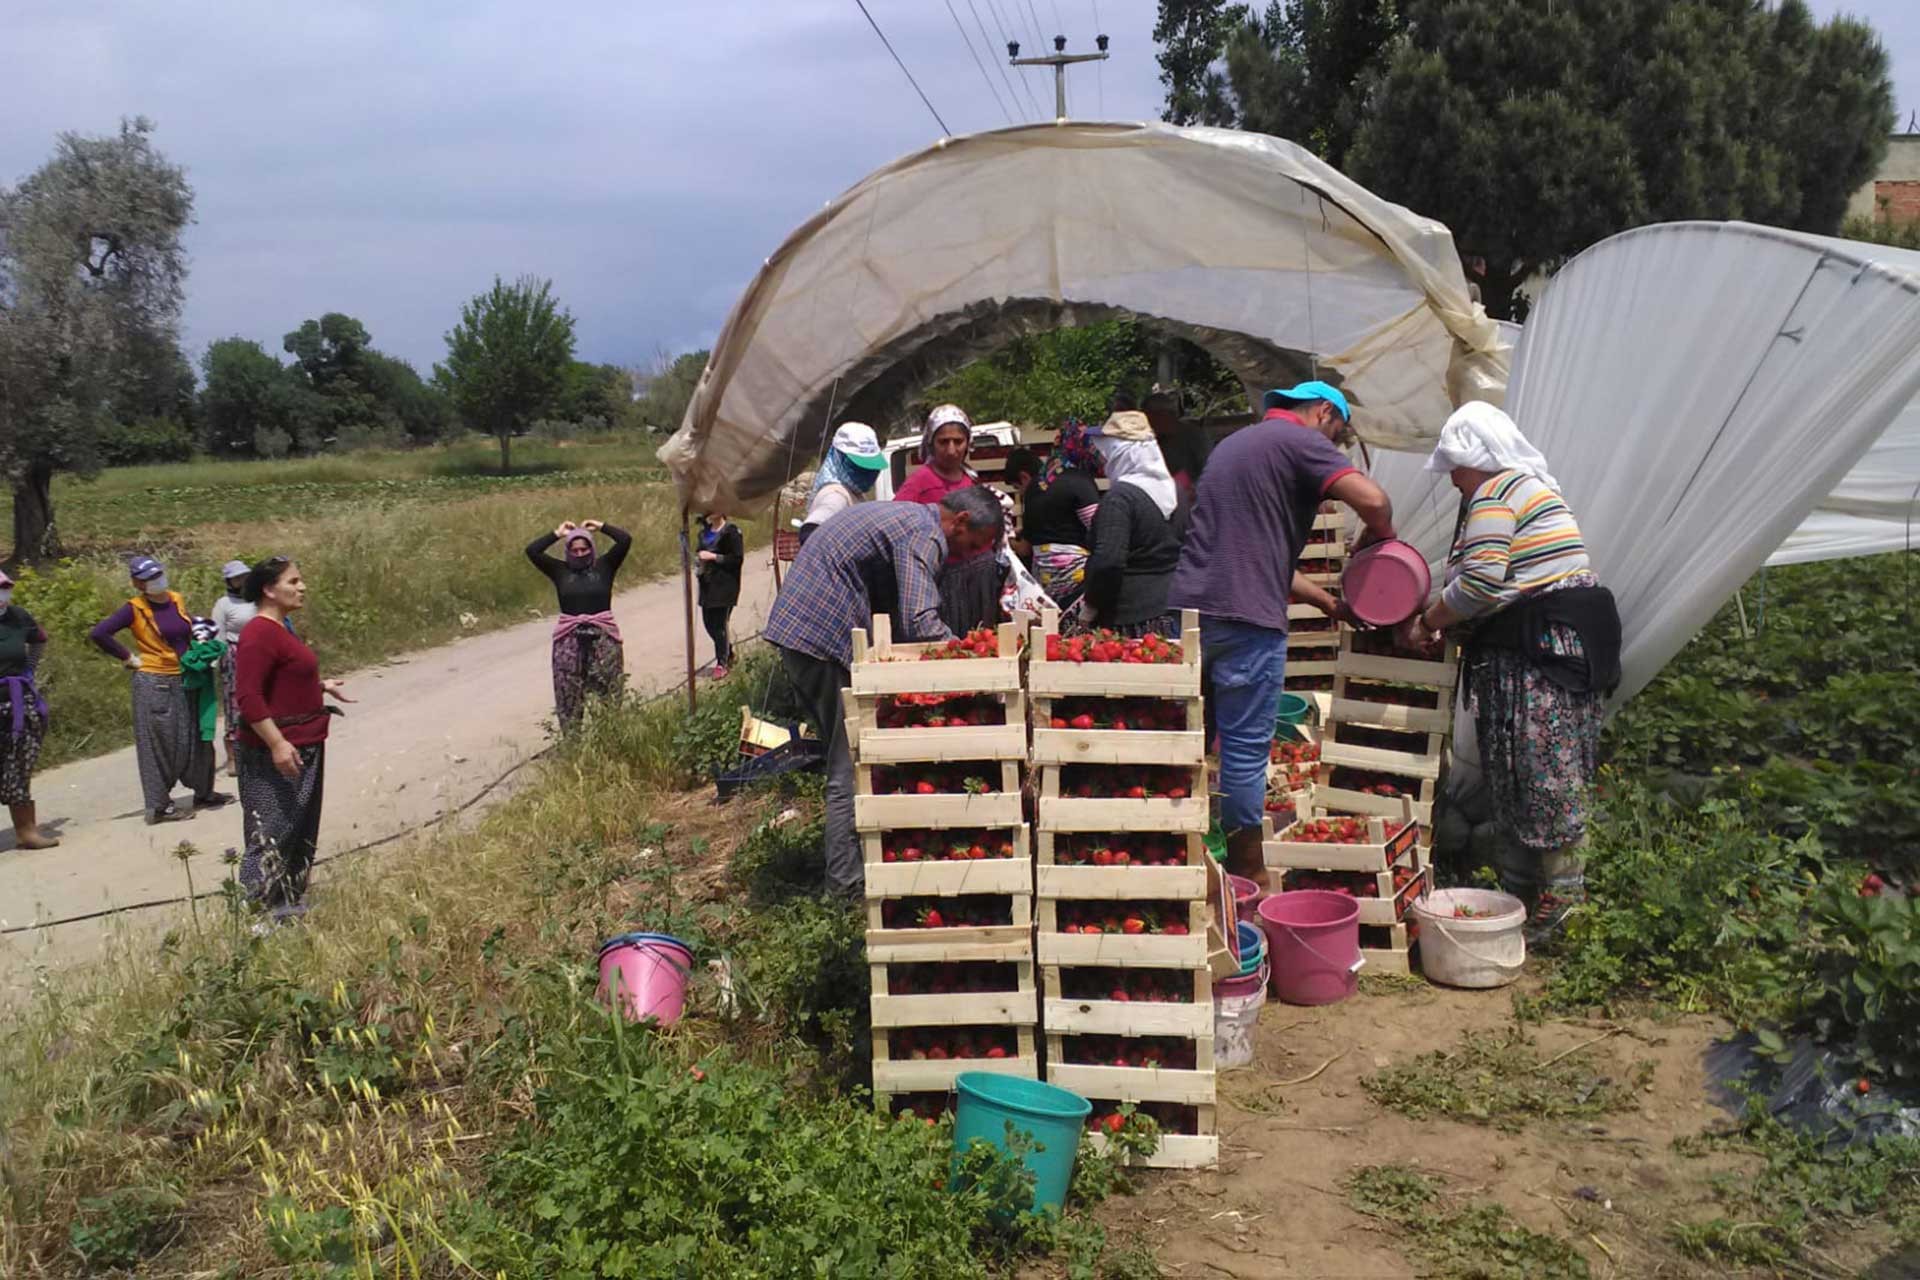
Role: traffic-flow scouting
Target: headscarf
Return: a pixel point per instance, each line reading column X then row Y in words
column 1072, row 450
column 1139, row 463
column 842, row 470
column 1486, row 439
column 579, row 562
column 943, row 415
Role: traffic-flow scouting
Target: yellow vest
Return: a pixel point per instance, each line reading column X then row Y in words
column 157, row 657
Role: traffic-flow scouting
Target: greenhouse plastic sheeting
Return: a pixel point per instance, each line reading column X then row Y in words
column 1711, row 395
column 1251, row 245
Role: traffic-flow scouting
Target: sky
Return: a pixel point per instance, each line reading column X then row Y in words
column 389, row 159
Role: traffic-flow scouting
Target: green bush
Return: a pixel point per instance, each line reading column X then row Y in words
column 804, row 969
column 120, row 1228
column 126, row 444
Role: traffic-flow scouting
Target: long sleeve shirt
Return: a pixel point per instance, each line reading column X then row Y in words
column 588, row 590
column 1135, row 551
column 277, row 677
column 229, row 617
column 1518, row 537
column 880, row 557
column 175, row 628
column 720, row 577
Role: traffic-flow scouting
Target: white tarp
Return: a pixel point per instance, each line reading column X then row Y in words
column 1707, row 392
column 1249, row 243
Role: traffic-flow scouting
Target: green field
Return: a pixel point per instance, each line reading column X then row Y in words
column 403, row 550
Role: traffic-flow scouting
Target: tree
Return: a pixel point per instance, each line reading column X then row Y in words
column 667, row 388
column 91, row 275
column 401, row 398
column 244, row 389
column 1533, row 130
column 507, row 358
column 328, row 349
column 596, row 391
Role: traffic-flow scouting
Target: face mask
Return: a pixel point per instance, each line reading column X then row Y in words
column 6, row 596
column 236, row 593
column 156, row 586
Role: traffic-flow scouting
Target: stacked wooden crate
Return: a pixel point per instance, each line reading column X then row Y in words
column 1313, row 639
column 1378, row 861
column 1122, row 880
column 949, row 870
column 1384, row 741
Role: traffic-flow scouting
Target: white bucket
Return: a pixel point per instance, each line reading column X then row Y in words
column 1234, row 1017
column 1483, row 950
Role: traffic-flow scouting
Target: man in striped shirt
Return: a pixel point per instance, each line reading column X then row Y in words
column 881, row 557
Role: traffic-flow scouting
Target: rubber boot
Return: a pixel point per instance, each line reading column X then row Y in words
column 26, row 829
column 1247, row 857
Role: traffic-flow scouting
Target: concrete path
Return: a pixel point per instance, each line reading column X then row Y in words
column 427, row 733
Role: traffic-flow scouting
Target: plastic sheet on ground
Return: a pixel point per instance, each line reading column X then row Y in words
column 1812, row 1091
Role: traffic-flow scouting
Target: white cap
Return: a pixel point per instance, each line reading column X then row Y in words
column 862, row 448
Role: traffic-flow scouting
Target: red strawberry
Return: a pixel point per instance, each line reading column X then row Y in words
column 925, row 788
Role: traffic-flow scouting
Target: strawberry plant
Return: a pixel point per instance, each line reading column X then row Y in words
column 1866, row 953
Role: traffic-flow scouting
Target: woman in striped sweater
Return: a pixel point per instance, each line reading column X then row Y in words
column 1541, row 642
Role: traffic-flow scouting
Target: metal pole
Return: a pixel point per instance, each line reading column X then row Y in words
column 1059, row 91
column 776, row 545
column 686, row 591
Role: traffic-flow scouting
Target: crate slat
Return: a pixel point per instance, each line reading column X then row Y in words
column 1177, row 1151
column 973, row 1008
column 1125, row 1018
column 1118, row 746
column 1388, row 715
column 949, row 879
column 893, row 813
column 937, row 1077
column 943, row 746
column 1414, row 671
column 1407, row 764
column 1123, row 951
column 1134, row 1084
column 1106, row 814
column 1121, row 883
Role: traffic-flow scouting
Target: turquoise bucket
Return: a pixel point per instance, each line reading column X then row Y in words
column 1049, row 1115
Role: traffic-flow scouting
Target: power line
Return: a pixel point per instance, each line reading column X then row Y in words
column 1099, row 71
column 1000, row 22
column 903, row 68
column 998, row 66
column 968, row 41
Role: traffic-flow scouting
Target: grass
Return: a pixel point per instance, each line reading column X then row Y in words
column 1504, row 1081
column 1465, row 1240
column 418, row 1081
column 402, row 551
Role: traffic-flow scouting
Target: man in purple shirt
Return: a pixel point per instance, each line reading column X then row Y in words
column 1263, row 486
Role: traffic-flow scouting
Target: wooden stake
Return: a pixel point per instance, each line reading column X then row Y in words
column 686, row 590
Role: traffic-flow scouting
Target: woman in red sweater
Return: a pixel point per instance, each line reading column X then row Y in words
column 283, row 740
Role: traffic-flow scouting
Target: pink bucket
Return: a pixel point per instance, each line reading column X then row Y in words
column 1385, row 583
column 1246, row 900
column 1313, row 945
column 649, row 971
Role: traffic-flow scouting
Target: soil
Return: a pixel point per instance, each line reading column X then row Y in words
column 1296, row 1122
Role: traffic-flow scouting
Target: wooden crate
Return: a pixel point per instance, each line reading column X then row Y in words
column 1065, row 1014
column 1011, row 941
column 1117, row 746
column 1017, row 1009
column 892, row 1076
column 1177, row 1151
column 1051, row 880
column 1114, row 679
column 1103, row 814
column 885, row 665
column 1389, row 906
column 1388, row 841
column 1000, row 808
column 1190, row 1088
column 944, row 878
column 1416, row 772
column 1120, row 950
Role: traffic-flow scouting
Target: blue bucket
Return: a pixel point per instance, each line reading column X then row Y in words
column 1253, row 947
column 1050, row 1116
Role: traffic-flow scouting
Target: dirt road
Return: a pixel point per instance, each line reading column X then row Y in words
column 427, row 734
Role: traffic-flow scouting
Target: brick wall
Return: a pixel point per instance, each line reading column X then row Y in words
column 1897, row 201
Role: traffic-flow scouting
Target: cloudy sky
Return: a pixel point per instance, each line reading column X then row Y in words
column 388, row 159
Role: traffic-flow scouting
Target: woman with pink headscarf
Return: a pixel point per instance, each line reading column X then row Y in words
column 588, row 658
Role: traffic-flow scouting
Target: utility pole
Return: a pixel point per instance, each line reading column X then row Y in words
column 1060, row 60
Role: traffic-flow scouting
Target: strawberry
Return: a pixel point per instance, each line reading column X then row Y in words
column 996, row 1052
column 925, row 788
column 932, row 919
column 1056, row 723
column 1133, row 924
column 1082, row 721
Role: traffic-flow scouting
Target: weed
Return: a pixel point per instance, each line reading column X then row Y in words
column 126, row 1225
column 1500, row 1080
column 1471, row 1242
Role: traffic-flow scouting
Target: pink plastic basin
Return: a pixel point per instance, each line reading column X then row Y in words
column 1385, row 583
column 1246, row 900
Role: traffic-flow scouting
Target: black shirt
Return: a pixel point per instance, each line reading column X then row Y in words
column 588, row 590
column 18, row 632
column 720, row 579
column 1052, row 514
column 1135, row 551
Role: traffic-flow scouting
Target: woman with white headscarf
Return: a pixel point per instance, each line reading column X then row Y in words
column 1541, row 649
column 1136, row 535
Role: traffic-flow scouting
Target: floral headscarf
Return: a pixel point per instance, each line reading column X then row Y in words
column 1072, row 450
column 943, row 415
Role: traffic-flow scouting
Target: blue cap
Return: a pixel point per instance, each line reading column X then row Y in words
column 144, row 567
column 1279, row 398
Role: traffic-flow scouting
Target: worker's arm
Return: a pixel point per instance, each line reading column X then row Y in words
column 1307, row 592
column 1369, row 501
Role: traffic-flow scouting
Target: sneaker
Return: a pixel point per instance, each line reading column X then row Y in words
column 1549, row 917
column 168, row 812
column 212, row 800
column 720, row 671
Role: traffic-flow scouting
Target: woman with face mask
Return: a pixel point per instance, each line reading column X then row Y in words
column 283, row 741
column 588, row 660
column 231, row 612
column 22, row 641
column 166, row 733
